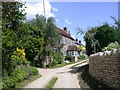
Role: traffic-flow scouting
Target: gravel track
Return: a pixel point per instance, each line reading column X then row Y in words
column 67, row 77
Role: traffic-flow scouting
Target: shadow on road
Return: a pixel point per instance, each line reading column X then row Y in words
column 76, row 69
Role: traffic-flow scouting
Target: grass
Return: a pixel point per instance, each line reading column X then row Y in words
column 78, row 64
column 51, row 83
column 61, row 65
column 27, row 81
column 64, row 64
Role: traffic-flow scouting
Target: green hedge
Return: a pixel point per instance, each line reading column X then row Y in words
column 18, row 76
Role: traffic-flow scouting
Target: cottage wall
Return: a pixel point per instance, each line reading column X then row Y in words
column 67, row 41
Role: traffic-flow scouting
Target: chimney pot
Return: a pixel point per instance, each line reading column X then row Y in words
column 79, row 41
column 65, row 28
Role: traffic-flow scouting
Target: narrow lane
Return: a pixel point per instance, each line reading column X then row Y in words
column 67, row 78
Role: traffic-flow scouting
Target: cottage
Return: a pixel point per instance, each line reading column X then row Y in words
column 70, row 44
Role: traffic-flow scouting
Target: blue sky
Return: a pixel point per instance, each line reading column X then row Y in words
column 77, row 14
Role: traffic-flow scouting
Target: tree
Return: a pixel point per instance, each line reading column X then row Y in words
column 107, row 34
column 91, row 42
column 31, row 39
column 12, row 17
column 99, row 37
column 12, row 14
column 51, row 35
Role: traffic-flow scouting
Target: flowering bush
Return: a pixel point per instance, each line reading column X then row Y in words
column 19, row 56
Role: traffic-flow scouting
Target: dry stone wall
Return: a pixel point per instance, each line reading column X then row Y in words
column 105, row 67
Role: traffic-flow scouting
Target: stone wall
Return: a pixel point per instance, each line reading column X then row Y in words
column 105, row 67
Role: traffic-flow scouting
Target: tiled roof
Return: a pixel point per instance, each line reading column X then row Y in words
column 73, row 48
column 64, row 33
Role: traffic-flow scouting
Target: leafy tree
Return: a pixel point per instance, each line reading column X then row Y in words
column 99, row 37
column 91, row 42
column 107, row 34
column 9, row 44
column 31, row 39
column 12, row 14
column 51, row 35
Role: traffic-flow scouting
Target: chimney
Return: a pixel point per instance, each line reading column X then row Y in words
column 69, row 32
column 76, row 40
column 65, row 28
column 80, row 41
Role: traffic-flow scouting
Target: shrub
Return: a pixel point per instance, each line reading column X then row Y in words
column 81, row 57
column 19, row 56
column 58, row 58
column 19, row 75
column 8, row 82
column 68, row 57
column 30, row 70
column 34, row 70
column 111, row 46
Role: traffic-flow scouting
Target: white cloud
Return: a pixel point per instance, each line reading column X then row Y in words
column 37, row 8
column 55, row 9
column 66, row 21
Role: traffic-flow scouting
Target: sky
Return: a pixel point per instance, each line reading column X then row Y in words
column 75, row 14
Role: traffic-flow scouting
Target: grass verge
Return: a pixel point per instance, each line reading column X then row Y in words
column 51, row 83
column 65, row 64
column 61, row 65
column 78, row 64
column 27, row 81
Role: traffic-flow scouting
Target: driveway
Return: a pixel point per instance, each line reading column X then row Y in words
column 67, row 77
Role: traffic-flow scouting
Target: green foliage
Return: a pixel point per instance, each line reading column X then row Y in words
column 68, row 57
column 8, row 83
column 111, row 46
column 9, row 44
column 13, row 14
column 99, row 37
column 32, row 40
column 19, row 75
column 57, row 59
column 91, row 42
column 51, row 34
column 81, row 57
column 107, row 34
column 16, row 76
column 30, row 70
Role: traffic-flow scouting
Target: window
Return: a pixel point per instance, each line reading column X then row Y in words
column 72, row 52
